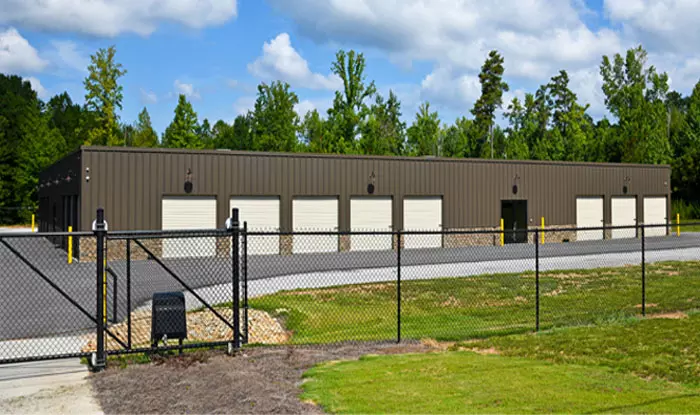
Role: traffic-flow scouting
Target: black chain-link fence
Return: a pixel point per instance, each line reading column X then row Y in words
column 329, row 287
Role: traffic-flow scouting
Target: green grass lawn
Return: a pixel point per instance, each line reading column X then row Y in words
column 687, row 228
column 482, row 306
column 648, row 366
column 651, row 348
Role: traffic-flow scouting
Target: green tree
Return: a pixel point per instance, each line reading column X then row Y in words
column 515, row 145
column 349, row 106
column 29, row 144
column 491, row 99
column 383, row 132
column 275, row 121
column 459, row 140
column 144, row 134
column 685, row 172
column 424, row 133
column 636, row 95
column 243, row 132
column 569, row 118
column 104, row 96
column 313, row 133
column 205, row 135
column 66, row 117
column 182, row 131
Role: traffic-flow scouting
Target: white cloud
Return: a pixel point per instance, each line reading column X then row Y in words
column 304, row 106
column 148, row 97
column 669, row 25
column 244, row 104
column 280, row 61
column 187, row 90
column 114, row 17
column 17, row 55
column 41, row 92
column 445, row 87
column 66, row 54
column 232, row 83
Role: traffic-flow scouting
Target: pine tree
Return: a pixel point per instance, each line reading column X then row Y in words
column 182, row 131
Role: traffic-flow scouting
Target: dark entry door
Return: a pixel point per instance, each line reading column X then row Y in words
column 514, row 214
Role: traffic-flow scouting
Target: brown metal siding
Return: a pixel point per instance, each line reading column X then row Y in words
column 130, row 184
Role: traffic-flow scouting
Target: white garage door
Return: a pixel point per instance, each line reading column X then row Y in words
column 589, row 214
column 623, row 213
column 315, row 214
column 263, row 215
column 422, row 214
column 370, row 214
column 655, row 214
column 181, row 213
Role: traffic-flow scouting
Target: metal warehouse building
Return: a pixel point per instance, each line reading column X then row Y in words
column 146, row 189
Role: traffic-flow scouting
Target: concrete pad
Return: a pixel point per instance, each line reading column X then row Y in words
column 57, row 386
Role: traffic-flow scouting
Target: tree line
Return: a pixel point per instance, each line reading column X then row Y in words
column 649, row 124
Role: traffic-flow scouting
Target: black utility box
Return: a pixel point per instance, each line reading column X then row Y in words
column 168, row 317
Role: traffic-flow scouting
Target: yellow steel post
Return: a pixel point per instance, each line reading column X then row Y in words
column 70, row 245
column 542, row 230
column 502, row 234
column 678, row 224
column 32, row 222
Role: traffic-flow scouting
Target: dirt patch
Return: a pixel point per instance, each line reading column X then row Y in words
column 678, row 315
column 451, row 302
column 202, row 326
column 554, row 293
column 649, row 305
column 489, row 351
column 566, row 276
column 258, row 380
column 350, row 289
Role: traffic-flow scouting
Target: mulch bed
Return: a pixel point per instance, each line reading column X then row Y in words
column 257, row 380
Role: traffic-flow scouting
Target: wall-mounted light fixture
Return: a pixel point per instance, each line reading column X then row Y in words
column 370, row 185
column 188, row 181
column 87, row 174
column 625, row 186
column 516, row 178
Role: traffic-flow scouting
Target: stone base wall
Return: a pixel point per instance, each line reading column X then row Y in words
column 456, row 240
column 286, row 243
column 554, row 236
column 344, row 243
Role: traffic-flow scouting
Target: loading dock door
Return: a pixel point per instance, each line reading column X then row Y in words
column 589, row 214
column 624, row 213
column 315, row 214
column 181, row 213
column 422, row 214
column 655, row 214
column 263, row 215
column 370, row 214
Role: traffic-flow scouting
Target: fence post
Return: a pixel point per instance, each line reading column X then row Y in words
column 128, row 293
column 644, row 277
column 398, row 287
column 98, row 359
column 235, row 233
column 537, row 281
column 245, row 278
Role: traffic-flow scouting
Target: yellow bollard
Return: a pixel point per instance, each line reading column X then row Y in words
column 32, row 222
column 542, row 230
column 502, row 234
column 678, row 224
column 70, row 245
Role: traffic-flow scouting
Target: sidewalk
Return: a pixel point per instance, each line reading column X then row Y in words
column 56, row 387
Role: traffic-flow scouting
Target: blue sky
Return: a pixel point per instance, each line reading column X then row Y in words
column 217, row 51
